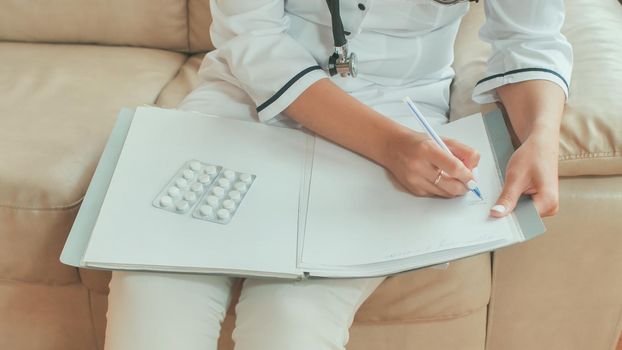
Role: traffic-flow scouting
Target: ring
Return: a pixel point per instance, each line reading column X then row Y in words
column 438, row 178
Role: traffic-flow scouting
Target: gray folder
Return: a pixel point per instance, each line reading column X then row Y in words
column 79, row 236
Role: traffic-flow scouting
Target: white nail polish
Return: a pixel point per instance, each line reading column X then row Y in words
column 472, row 184
column 499, row 208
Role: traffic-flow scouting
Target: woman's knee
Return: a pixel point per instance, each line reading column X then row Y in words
column 152, row 290
column 317, row 313
column 154, row 310
column 286, row 321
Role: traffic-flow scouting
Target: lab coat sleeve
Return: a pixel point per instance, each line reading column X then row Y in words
column 526, row 44
column 255, row 52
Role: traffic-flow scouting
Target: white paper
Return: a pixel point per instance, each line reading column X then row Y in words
column 358, row 215
column 262, row 235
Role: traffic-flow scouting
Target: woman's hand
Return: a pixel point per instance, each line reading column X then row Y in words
column 535, row 109
column 532, row 170
column 416, row 161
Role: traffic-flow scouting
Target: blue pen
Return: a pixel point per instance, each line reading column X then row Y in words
column 472, row 185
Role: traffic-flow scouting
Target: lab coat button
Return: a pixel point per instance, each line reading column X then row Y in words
column 361, row 7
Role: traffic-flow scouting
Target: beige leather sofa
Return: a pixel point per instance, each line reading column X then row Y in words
column 67, row 67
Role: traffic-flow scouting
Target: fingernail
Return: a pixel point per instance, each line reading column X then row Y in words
column 498, row 208
column 472, row 184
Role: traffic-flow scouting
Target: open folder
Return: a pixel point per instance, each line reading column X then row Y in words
column 314, row 210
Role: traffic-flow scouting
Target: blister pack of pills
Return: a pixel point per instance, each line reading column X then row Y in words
column 187, row 187
column 219, row 191
column 224, row 196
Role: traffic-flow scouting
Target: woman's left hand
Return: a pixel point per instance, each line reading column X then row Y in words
column 532, row 170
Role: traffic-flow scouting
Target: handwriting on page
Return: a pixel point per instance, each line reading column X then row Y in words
column 472, row 199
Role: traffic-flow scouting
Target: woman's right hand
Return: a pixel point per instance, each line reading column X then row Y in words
column 412, row 157
column 416, row 161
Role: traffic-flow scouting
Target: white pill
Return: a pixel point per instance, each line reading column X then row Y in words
column 166, row 201
column 210, row 170
column 181, row 183
column 190, row 196
column 235, row 195
column 205, row 178
column 218, row 191
column 196, row 166
column 182, row 205
column 223, row 214
column 206, row 210
column 196, row 187
column 213, row 201
column 229, row 174
column 173, row 191
column 246, row 178
column 188, row 174
column 224, row 183
column 228, row 204
column 240, row 186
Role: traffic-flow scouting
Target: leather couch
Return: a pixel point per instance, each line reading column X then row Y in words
column 67, row 67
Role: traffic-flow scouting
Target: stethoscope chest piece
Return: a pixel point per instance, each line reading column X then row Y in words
column 342, row 62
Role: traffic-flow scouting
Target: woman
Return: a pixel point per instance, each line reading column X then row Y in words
column 268, row 65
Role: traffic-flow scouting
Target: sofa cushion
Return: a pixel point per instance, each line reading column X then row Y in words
column 58, row 105
column 199, row 19
column 181, row 25
column 40, row 317
column 431, row 294
column 569, row 279
column 591, row 131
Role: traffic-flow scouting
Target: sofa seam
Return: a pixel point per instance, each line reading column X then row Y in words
column 92, row 318
column 53, row 284
column 50, row 208
column 590, row 155
column 491, row 304
column 419, row 320
column 189, row 49
column 49, row 284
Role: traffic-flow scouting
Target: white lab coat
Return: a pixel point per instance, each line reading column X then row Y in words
column 273, row 50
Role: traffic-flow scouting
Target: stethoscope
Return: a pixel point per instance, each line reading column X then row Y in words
column 342, row 61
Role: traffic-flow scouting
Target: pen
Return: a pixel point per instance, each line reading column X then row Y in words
column 428, row 129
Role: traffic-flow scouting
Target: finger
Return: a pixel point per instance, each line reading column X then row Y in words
column 546, row 201
column 421, row 187
column 446, row 183
column 469, row 156
column 510, row 194
column 452, row 166
column 436, row 190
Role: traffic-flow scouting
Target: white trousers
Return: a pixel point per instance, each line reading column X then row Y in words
column 160, row 311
